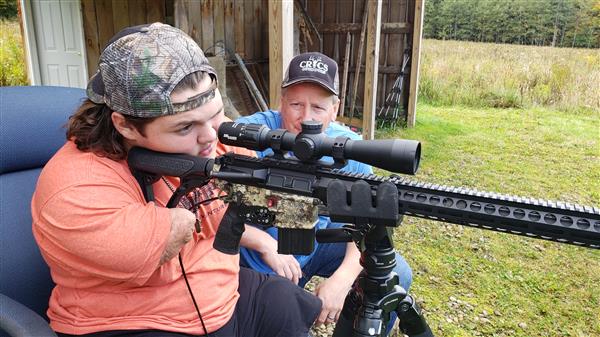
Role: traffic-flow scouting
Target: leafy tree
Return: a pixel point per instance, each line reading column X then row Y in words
column 8, row 9
column 562, row 23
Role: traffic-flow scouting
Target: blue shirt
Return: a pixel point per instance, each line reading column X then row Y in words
column 272, row 119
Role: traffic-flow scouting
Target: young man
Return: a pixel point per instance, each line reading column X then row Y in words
column 112, row 254
column 310, row 92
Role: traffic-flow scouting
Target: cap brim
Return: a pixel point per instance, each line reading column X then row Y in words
column 310, row 80
column 207, row 68
column 95, row 89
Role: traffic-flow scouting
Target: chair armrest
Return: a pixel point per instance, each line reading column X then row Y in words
column 20, row 321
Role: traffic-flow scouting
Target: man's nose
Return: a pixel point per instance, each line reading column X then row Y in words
column 306, row 114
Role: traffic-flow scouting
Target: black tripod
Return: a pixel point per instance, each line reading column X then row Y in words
column 376, row 292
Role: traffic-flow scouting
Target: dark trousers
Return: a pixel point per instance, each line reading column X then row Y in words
column 269, row 305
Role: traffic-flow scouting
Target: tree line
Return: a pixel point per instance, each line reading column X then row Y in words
column 557, row 23
column 8, row 9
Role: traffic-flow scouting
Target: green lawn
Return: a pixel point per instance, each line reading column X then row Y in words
column 472, row 282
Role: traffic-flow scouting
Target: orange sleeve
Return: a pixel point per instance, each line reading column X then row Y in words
column 105, row 231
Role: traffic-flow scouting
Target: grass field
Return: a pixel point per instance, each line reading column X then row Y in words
column 473, row 282
column 502, row 75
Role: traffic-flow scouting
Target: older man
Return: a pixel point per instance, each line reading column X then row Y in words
column 310, row 91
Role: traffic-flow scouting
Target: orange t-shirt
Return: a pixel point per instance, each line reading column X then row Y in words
column 103, row 243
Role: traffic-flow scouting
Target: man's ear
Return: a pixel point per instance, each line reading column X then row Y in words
column 280, row 102
column 336, row 108
column 126, row 130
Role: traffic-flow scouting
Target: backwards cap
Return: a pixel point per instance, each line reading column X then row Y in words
column 315, row 68
column 141, row 66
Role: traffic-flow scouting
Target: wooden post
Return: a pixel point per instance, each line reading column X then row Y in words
column 281, row 37
column 371, row 68
column 415, row 62
column 345, row 75
column 359, row 59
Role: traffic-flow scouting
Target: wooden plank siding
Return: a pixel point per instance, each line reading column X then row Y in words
column 105, row 22
column 104, row 18
column 90, row 29
column 120, row 21
column 229, row 25
column 156, row 10
column 223, row 27
column 396, row 31
column 207, row 25
column 240, row 41
column 219, row 26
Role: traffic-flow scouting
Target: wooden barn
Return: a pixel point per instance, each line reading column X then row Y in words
column 375, row 42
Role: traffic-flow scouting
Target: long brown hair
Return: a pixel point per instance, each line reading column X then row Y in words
column 92, row 130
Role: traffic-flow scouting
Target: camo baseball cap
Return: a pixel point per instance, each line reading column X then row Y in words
column 313, row 67
column 140, row 67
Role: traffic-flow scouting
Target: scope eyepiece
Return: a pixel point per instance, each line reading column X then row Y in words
column 395, row 155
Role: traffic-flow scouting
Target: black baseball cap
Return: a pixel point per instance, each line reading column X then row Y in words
column 313, row 67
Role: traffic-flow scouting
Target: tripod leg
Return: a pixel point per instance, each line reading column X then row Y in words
column 374, row 296
column 359, row 319
column 412, row 321
column 365, row 321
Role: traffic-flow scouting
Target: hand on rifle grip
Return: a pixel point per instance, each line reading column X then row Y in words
column 227, row 239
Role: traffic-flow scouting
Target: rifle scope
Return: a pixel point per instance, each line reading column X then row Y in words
column 395, row 155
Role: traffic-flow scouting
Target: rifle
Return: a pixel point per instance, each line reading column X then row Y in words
column 289, row 193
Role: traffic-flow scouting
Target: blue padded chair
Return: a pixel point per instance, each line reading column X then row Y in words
column 31, row 131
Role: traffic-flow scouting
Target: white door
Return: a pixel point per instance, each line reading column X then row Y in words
column 59, row 40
